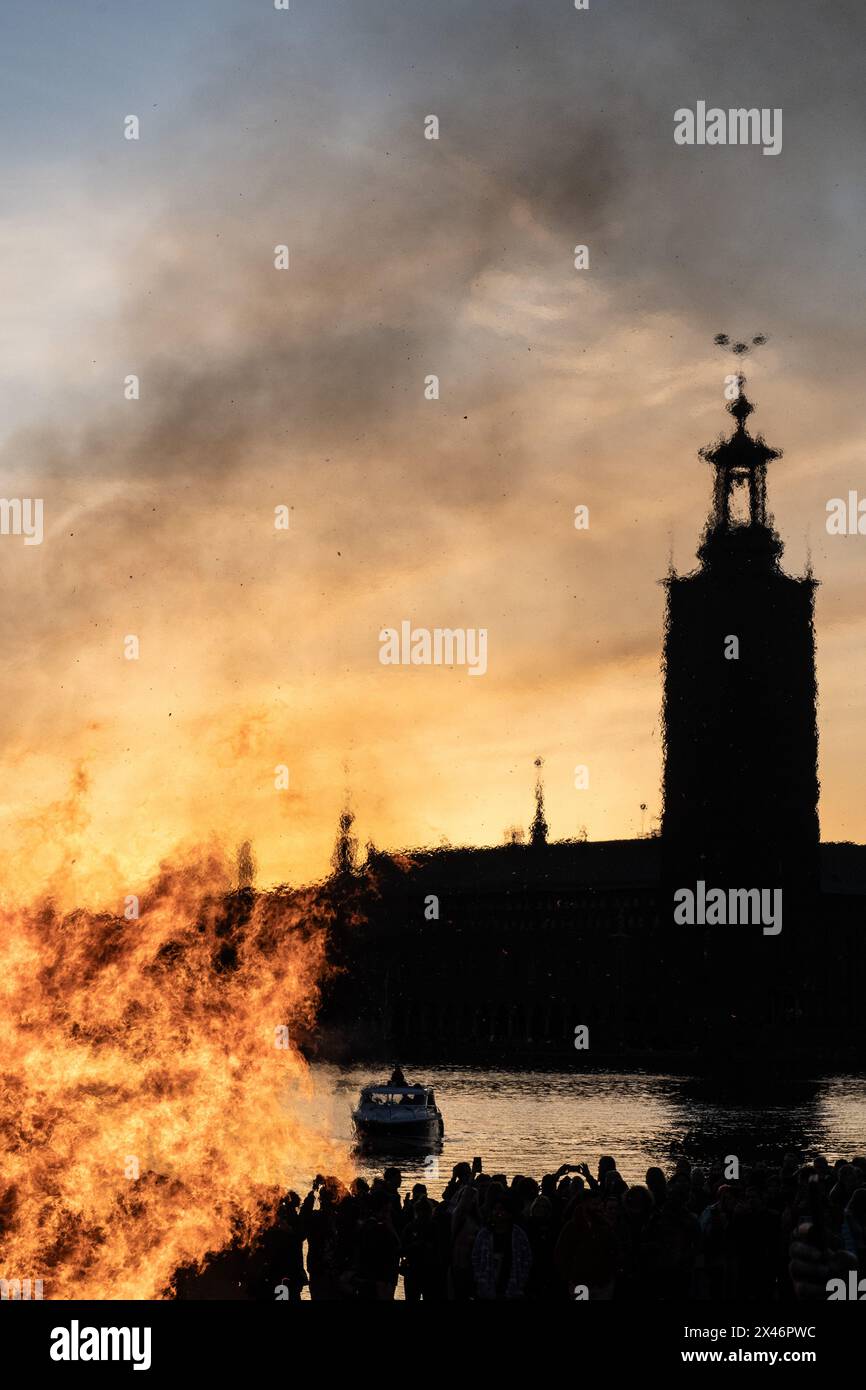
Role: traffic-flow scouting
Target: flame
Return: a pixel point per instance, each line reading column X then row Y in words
column 144, row 1117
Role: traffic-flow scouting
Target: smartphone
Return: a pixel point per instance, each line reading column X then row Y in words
column 476, row 1165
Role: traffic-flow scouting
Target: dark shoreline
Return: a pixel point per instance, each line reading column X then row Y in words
column 740, row 1068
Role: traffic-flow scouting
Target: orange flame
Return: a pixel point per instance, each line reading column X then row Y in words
column 145, row 1069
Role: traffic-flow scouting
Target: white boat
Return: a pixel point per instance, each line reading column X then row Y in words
column 392, row 1113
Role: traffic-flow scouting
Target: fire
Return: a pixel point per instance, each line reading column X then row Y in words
column 146, row 1065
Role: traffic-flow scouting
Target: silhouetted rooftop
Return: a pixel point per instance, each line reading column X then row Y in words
column 601, row 864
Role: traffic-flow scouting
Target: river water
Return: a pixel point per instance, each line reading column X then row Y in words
column 530, row 1122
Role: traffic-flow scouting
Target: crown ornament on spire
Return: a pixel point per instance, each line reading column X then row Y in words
column 740, row 463
column 722, row 340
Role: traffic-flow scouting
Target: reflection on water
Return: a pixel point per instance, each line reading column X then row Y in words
column 530, row 1122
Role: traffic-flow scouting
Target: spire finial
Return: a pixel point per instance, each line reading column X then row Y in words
column 740, row 462
column 739, row 407
column 538, row 829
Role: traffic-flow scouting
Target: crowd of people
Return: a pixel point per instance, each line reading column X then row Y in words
column 777, row 1231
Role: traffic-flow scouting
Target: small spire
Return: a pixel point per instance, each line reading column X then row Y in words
column 246, row 865
column 538, row 829
column 346, row 848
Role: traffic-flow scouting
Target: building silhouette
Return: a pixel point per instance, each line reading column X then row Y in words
column 740, row 717
column 500, row 954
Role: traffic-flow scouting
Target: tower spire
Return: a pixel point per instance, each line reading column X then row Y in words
column 740, row 462
column 538, row 829
column 346, row 847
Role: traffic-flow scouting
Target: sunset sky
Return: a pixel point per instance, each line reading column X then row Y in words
column 305, row 387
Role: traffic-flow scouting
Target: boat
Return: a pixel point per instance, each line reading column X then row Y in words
column 398, row 1111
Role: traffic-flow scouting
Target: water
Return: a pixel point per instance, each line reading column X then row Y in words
column 531, row 1122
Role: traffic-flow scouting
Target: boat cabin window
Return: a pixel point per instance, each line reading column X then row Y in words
column 421, row 1098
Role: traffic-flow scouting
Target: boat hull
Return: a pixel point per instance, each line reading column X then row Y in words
column 391, row 1132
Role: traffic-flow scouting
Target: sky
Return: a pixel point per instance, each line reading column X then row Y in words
column 305, row 389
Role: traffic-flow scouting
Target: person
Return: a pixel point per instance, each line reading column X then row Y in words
column 289, row 1247
column 378, row 1262
column 718, row 1269
column 276, row 1258
column 319, row 1226
column 418, row 1253
column 813, row 1263
column 754, row 1236
column 397, row 1077
column 632, row 1233
column 586, row 1254
column 657, row 1186
column 543, row 1284
column 441, row 1241
column 848, row 1179
column 461, row 1177
column 465, row 1225
column 501, row 1255
column 678, row 1240
column 524, row 1191
column 699, row 1195
column 854, row 1227
column 606, row 1166
column 393, row 1179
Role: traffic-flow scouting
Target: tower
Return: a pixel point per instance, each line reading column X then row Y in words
column 741, row 742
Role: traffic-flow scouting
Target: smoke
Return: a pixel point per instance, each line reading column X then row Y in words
column 304, row 388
